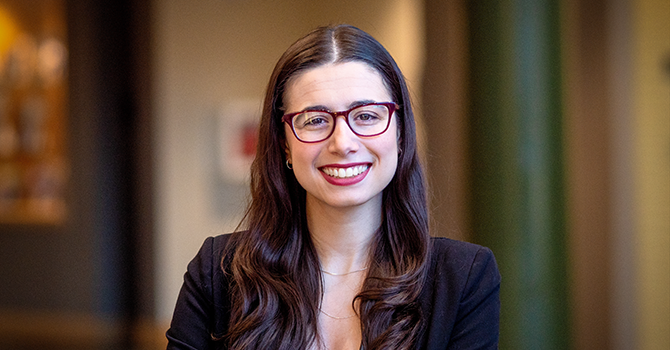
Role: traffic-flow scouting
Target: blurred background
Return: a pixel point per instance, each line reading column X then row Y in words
column 126, row 128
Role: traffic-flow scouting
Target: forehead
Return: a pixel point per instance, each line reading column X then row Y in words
column 336, row 86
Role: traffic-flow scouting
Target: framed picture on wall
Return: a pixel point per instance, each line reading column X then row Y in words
column 238, row 134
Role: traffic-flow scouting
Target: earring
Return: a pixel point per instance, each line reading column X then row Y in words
column 289, row 165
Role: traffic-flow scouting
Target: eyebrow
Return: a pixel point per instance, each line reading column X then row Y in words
column 351, row 105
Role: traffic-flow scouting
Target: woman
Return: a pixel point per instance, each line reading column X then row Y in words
column 337, row 252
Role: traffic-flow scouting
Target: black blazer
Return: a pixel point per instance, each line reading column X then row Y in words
column 460, row 299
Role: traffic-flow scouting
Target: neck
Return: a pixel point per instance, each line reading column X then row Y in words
column 342, row 236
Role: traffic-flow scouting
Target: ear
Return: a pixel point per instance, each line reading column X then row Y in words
column 287, row 150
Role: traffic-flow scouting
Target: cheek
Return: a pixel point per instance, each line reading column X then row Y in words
column 302, row 155
column 389, row 162
column 388, row 151
column 398, row 136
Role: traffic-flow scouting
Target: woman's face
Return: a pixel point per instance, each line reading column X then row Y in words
column 327, row 169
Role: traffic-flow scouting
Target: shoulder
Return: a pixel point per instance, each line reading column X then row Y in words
column 213, row 250
column 204, row 263
column 457, row 253
column 203, row 305
column 458, row 271
column 460, row 295
column 443, row 244
column 205, row 268
column 205, row 273
column 460, row 262
column 216, row 245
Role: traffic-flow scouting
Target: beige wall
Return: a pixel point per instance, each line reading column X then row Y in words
column 651, row 142
column 209, row 53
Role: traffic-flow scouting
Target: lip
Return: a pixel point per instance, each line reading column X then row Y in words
column 345, row 181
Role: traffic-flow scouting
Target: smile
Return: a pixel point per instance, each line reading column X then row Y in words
column 343, row 173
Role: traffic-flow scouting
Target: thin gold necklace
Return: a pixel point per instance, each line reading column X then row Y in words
column 340, row 274
column 343, row 274
column 336, row 317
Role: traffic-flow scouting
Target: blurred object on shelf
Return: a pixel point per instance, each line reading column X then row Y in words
column 33, row 112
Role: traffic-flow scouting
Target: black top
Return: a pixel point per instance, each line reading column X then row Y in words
column 460, row 300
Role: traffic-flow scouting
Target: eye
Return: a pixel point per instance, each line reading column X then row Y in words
column 368, row 115
column 312, row 120
column 315, row 120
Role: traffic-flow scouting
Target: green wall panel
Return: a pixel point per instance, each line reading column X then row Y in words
column 517, row 172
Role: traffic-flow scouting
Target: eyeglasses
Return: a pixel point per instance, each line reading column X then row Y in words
column 366, row 120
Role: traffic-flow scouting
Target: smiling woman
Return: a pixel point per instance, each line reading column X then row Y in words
column 325, row 169
column 337, row 252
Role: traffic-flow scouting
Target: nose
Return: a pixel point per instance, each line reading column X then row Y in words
column 343, row 141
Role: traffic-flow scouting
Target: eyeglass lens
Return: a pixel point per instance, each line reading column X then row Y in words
column 368, row 120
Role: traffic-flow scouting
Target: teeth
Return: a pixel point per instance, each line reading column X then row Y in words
column 345, row 172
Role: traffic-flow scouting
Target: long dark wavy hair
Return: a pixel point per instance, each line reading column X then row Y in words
column 275, row 271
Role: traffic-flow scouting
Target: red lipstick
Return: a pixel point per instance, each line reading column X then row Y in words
column 364, row 168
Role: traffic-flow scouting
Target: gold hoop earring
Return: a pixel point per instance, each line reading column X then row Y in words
column 288, row 165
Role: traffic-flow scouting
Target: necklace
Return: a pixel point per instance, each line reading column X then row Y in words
column 336, row 317
column 343, row 274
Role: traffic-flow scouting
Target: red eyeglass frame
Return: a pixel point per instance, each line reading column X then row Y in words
column 391, row 106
